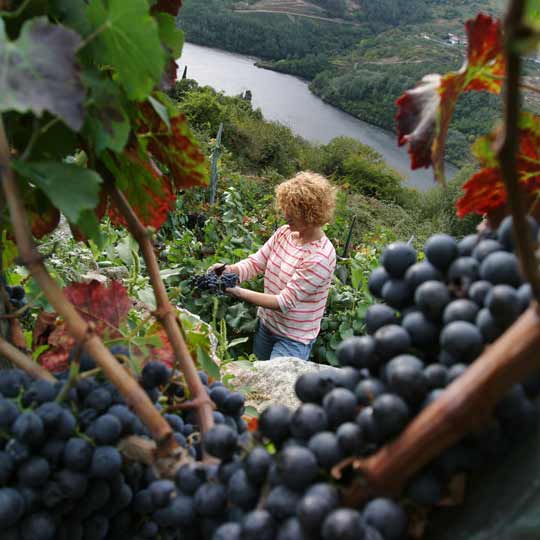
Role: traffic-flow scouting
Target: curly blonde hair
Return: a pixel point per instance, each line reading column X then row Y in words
column 308, row 196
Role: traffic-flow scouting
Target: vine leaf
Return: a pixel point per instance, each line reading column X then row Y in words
column 485, row 191
column 107, row 123
column 171, row 36
column 424, row 113
column 175, row 148
column 128, row 40
column 43, row 215
column 72, row 189
column 106, row 307
column 39, row 72
column 149, row 192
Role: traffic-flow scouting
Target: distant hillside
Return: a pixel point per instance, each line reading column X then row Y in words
column 393, row 12
column 360, row 55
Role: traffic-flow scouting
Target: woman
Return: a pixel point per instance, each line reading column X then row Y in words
column 298, row 263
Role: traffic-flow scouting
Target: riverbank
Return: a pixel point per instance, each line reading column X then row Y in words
column 287, row 99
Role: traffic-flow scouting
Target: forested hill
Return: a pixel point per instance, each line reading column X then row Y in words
column 359, row 55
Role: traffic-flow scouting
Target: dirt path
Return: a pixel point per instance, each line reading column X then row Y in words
column 294, row 14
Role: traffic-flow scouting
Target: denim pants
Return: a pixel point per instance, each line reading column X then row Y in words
column 268, row 345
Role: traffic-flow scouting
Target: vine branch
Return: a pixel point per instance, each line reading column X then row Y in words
column 462, row 407
column 164, row 312
column 20, row 360
column 513, row 24
column 128, row 387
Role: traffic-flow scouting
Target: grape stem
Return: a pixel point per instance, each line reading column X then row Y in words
column 165, row 313
column 461, row 408
column 507, row 150
column 20, row 360
column 128, row 387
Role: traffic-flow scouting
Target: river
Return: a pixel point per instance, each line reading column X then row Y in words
column 287, row 99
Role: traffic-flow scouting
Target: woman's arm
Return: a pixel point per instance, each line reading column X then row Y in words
column 268, row 301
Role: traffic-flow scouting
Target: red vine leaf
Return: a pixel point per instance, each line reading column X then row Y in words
column 45, row 222
column 43, row 327
column 172, row 7
column 106, row 307
column 175, row 148
column 424, row 113
column 165, row 352
column 485, row 191
column 55, row 359
column 17, row 334
column 148, row 191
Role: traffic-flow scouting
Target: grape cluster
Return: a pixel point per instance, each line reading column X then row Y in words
column 215, row 283
column 437, row 317
column 61, row 474
column 17, row 296
column 196, row 220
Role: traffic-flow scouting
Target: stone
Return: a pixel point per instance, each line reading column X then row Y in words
column 271, row 381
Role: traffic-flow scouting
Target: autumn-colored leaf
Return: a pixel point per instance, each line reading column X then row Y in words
column 485, row 191
column 106, row 307
column 164, row 353
column 424, row 113
column 17, row 334
column 44, row 223
column 55, row 359
column 167, row 6
column 174, row 148
column 149, row 192
column 43, row 327
column 252, row 423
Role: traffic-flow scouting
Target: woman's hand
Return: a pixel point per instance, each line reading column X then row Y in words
column 218, row 268
column 235, row 291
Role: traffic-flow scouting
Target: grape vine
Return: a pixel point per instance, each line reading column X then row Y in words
column 97, row 452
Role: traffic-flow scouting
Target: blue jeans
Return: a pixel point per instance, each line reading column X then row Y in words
column 268, row 345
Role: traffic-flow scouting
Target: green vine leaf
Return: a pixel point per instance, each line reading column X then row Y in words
column 127, row 39
column 39, row 72
column 70, row 188
column 107, row 123
column 171, row 36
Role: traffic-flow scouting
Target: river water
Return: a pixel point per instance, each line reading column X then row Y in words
column 287, row 99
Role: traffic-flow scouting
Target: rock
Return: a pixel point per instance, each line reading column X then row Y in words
column 115, row 273
column 270, row 381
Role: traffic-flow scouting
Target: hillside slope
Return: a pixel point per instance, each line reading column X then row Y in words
column 360, row 55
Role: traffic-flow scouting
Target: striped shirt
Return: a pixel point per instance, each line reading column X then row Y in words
column 300, row 276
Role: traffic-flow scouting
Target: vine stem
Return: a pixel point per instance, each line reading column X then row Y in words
column 507, row 150
column 128, row 387
column 20, row 360
column 165, row 313
column 463, row 407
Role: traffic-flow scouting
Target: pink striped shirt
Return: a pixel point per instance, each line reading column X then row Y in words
column 300, row 276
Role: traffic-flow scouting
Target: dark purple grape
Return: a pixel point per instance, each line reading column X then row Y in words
column 397, row 257
column 441, row 250
column 376, row 281
column 379, row 315
column 387, row 517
